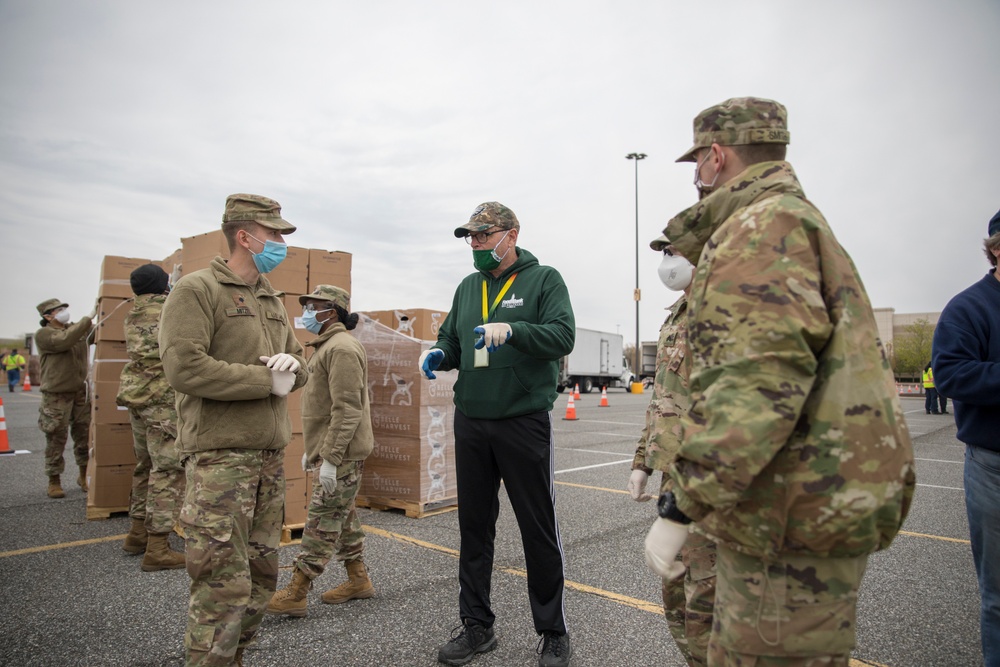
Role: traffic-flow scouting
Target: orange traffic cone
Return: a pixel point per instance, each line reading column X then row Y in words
column 604, row 398
column 576, row 392
column 27, row 382
column 570, row 410
column 4, row 444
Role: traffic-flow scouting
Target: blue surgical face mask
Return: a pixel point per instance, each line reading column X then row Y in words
column 310, row 322
column 268, row 259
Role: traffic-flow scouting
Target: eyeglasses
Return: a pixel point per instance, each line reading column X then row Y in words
column 311, row 308
column 482, row 237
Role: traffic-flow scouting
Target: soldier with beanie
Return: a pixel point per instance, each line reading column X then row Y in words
column 65, row 408
column 158, row 479
column 229, row 352
column 966, row 360
column 337, row 423
column 795, row 458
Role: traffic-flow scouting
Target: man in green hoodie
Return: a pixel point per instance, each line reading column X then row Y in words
column 510, row 323
column 229, row 352
column 795, row 458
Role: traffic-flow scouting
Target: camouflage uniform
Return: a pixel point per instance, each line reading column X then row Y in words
column 333, row 526
column 232, row 432
column 158, row 478
column 688, row 600
column 795, row 458
column 65, row 404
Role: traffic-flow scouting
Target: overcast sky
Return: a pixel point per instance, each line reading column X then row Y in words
column 380, row 126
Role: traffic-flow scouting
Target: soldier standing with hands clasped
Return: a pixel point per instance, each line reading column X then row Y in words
column 795, row 458
column 688, row 600
column 230, row 353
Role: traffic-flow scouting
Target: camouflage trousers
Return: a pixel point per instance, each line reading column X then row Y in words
column 796, row 611
column 59, row 415
column 688, row 601
column 158, row 478
column 232, row 514
column 333, row 525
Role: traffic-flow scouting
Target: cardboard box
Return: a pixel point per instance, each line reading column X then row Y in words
column 107, row 370
column 111, row 350
column 412, row 419
column 112, row 444
column 111, row 315
column 108, row 486
column 297, row 492
column 292, row 275
column 173, row 264
column 422, row 323
column 115, row 272
column 104, row 408
column 329, row 268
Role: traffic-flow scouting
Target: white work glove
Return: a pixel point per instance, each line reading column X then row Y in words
column 281, row 362
column 663, row 543
column 305, row 463
column 637, row 486
column 429, row 361
column 282, row 382
column 493, row 336
column 328, row 477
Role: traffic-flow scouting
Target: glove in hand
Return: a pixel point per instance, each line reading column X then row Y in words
column 663, row 543
column 328, row 477
column 282, row 382
column 429, row 361
column 493, row 335
column 637, row 486
column 281, row 362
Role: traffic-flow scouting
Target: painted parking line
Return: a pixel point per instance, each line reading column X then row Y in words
column 587, row 451
column 597, row 465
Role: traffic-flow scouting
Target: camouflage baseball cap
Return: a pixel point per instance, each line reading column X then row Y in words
column 337, row 295
column 659, row 243
column 739, row 121
column 265, row 212
column 488, row 215
column 50, row 305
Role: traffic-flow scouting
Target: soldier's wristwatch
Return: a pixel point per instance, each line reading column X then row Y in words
column 667, row 507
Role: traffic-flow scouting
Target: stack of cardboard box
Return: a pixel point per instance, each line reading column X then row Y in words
column 413, row 464
column 112, row 455
column 421, row 323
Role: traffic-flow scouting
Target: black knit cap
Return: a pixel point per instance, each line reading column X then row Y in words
column 149, row 279
column 994, row 225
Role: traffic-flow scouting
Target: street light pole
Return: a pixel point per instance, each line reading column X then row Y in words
column 637, row 369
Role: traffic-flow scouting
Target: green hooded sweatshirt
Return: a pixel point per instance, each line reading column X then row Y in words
column 522, row 375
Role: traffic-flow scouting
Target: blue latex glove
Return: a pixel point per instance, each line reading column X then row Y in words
column 493, row 335
column 429, row 361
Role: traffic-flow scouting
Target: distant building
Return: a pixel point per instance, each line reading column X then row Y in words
column 890, row 325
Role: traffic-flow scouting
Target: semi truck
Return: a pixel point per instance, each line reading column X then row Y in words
column 597, row 360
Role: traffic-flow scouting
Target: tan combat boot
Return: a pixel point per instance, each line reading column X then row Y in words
column 82, row 479
column 357, row 587
column 55, row 488
column 291, row 600
column 159, row 556
column 135, row 541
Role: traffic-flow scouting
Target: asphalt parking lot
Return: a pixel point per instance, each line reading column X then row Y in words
column 70, row 596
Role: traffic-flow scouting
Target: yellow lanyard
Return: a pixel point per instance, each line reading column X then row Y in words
column 488, row 312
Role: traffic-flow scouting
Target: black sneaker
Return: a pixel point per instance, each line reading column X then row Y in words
column 554, row 650
column 471, row 639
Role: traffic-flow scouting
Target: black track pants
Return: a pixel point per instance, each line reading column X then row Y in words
column 518, row 451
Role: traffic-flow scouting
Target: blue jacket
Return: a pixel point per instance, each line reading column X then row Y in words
column 966, row 361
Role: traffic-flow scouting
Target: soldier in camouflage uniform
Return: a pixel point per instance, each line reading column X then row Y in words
column 65, row 404
column 229, row 352
column 158, row 479
column 688, row 600
column 337, row 424
column 795, row 458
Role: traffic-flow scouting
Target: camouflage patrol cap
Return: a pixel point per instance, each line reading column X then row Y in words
column 49, row 305
column 254, row 208
column 337, row 295
column 659, row 243
column 739, row 121
column 488, row 215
